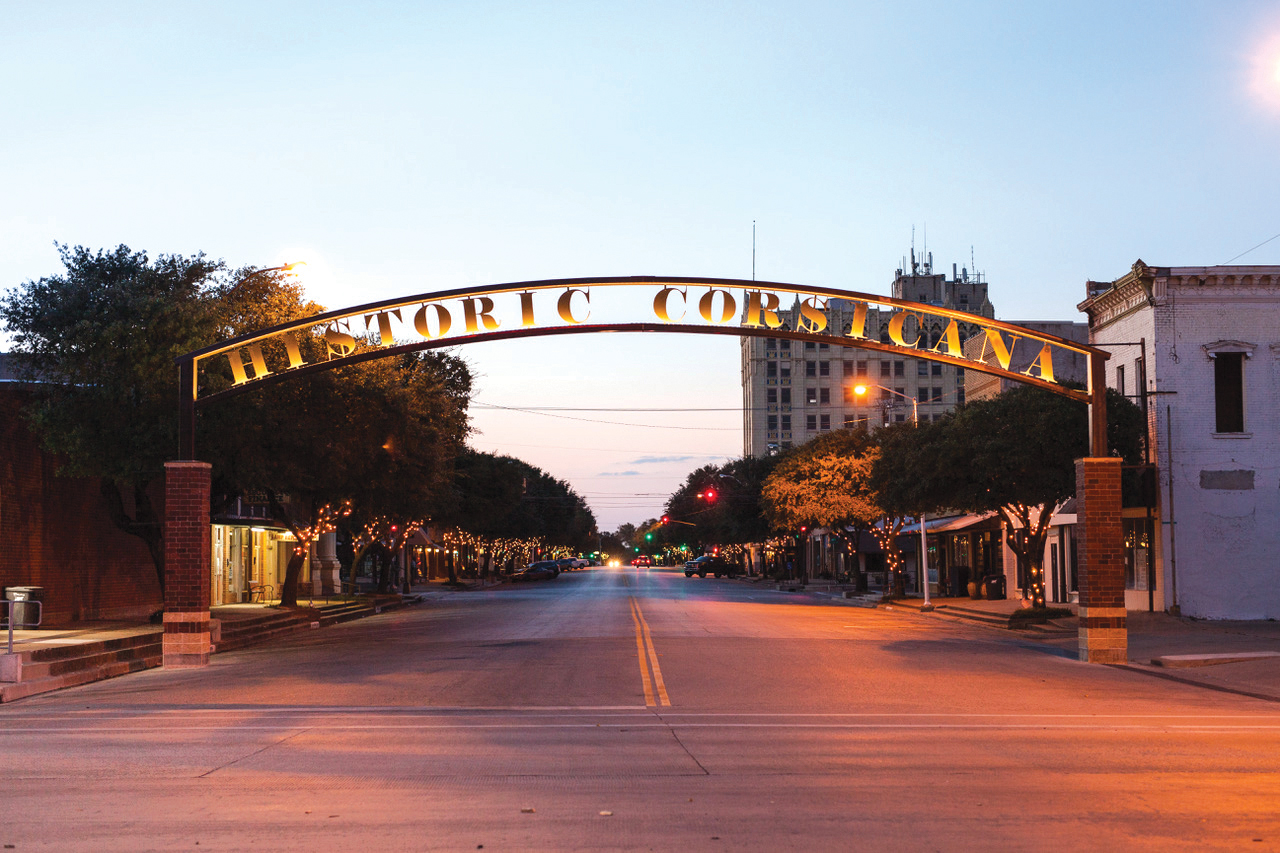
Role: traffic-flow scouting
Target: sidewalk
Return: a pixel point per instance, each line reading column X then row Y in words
column 45, row 659
column 1235, row 656
column 1240, row 657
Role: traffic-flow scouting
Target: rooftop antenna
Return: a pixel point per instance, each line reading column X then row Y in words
column 973, row 266
column 753, row 250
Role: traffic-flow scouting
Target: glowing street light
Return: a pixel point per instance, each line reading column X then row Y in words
column 860, row 390
column 282, row 268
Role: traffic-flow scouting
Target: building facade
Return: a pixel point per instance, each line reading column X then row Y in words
column 1198, row 349
column 1068, row 366
column 792, row 391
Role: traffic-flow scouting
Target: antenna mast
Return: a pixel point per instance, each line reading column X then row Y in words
column 753, row 250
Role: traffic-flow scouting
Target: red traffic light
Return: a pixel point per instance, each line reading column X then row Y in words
column 666, row 518
column 708, row 495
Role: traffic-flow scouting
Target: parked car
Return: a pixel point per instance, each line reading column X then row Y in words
column 543, row 570
column 566, row 564
column 709, row 563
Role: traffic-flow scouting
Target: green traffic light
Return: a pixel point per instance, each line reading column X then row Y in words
column 648, row 537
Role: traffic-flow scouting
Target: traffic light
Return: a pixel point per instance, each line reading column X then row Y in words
column 666, row 519
column 711, row 494
column 648, row 537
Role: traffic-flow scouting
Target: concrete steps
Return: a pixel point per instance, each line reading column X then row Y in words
column 42, row 669
column 238, row 633
column 974, row 614
column 52, row 668
column 345, row 611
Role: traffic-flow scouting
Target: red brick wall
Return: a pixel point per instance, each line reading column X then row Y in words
column 1100, row 532
column 55, row 532
column 186, row 537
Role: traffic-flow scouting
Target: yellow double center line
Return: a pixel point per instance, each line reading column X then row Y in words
column 648, row 659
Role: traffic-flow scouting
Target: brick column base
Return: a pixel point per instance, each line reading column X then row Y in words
column 1104, row 633
column 186, row 640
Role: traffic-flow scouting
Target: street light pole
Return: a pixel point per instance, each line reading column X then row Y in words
column 861, row 389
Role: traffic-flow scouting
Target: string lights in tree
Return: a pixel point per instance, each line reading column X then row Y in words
column 326, row 521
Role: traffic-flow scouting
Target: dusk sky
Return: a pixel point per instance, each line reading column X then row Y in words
column 400, row 148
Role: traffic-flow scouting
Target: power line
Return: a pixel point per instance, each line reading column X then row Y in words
column 598, row 421
column 1247, row 251
column 612, row 409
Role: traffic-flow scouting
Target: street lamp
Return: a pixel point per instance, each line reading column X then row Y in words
column 860, row 390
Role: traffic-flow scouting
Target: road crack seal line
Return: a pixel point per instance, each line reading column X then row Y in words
column 285, row 739
column 692, row 757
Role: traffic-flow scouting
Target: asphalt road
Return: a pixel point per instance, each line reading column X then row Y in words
column 637, row 709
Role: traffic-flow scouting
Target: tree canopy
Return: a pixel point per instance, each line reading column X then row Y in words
column 1013, row 454
column 823, row 483
column 98, row 342
column 495, row 496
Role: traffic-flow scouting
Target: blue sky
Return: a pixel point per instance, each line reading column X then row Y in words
column 406, row 147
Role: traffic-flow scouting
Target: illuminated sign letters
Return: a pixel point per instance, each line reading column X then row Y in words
column 647, row 304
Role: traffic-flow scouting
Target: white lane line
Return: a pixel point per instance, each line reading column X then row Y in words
column 356, row 727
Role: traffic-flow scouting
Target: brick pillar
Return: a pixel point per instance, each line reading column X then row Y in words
column 186, row 564
column 1104, row 635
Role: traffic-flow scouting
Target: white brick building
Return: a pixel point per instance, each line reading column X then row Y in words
column 1199, row 349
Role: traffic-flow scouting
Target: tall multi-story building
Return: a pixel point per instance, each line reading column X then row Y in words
column 793, row 391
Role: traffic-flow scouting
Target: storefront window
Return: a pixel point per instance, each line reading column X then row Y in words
column 1137, row 544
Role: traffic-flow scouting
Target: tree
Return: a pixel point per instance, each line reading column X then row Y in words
column 734, row 515
column 98, row 341
column 496, row 498
column 905, row 481
column 378, row 435
column 823, row 483
column 1015, row 454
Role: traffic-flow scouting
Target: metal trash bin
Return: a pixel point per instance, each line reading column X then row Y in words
column 23, row 612
column 995, row 587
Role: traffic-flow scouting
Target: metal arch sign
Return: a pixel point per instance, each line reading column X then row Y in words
column 631, row 304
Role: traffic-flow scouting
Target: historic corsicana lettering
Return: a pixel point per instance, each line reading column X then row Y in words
column 923, row 331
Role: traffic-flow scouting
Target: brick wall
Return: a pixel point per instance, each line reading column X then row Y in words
column 1103, row 619
column 55, row 532
column 187, row 640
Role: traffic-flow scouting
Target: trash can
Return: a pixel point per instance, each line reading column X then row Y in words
column 23, row 613
column 995, row 587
